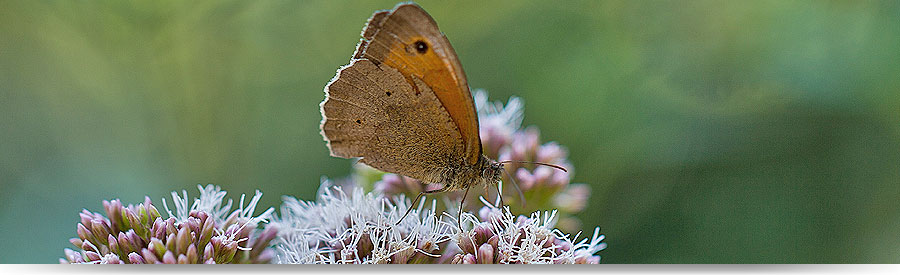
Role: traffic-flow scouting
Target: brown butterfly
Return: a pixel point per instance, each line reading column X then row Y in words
column 403, row 105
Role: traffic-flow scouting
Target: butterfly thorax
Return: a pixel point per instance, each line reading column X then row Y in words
column 486, row 171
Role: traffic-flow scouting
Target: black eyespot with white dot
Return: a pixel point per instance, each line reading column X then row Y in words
column 421, row 46
column 387, row 93
column 358, row 121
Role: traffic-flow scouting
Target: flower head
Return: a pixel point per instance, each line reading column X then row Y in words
column 206, row 231
column 354, row 227
column 499, row 237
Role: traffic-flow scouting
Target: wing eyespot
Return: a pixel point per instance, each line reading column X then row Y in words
column 421, row 46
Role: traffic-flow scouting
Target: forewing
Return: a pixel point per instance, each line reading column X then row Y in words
column 390, row 38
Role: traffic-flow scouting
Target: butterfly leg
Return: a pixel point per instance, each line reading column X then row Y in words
column 461, row 206
column 419, row 196
column 516, row 185
column 499, row 193
column 411, row 206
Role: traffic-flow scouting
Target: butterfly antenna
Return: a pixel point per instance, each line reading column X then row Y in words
column 516, row 185
column 538, row 163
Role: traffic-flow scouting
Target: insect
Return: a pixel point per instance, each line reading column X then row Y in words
column 403, row 106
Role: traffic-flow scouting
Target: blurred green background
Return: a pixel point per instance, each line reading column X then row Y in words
column 710, row 131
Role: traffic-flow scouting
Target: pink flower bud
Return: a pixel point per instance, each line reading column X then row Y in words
column 134, row 258
column 485, row 254
column 468, row 259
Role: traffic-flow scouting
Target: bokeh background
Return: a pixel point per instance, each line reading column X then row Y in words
column 710, row 131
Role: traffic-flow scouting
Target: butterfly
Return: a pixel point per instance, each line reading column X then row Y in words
column 403, row 105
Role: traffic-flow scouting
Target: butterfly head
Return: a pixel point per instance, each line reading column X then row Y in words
column 491, row 171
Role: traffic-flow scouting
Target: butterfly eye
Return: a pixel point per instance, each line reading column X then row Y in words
column 421, row 46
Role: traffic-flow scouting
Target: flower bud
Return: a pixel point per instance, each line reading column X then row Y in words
column 84, row 233
column 170, row 226
column 157, row 247
column 468, row 259
column 77, row 242
column 158, row 229
column 134, row 258
column 208, row 252
column 88, row 246
column 149, row 256
column 85, row 216
column 182, row 259
column 192, row 254
column 485, row 254
column 91, row 256
column 169, row 258
column 466, row 243
column 100, row 230
column 152, row 213
column 171, row 242
column 482, row 232
column 113, row 244
column 182, row 241
column 72, row 256
column 457, row 259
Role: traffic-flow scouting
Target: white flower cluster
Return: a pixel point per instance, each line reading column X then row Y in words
column 356, row 227
column 212, row 201
column 353, row 227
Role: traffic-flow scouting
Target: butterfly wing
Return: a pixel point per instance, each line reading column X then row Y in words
column 407, row 39
column 371, row 111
